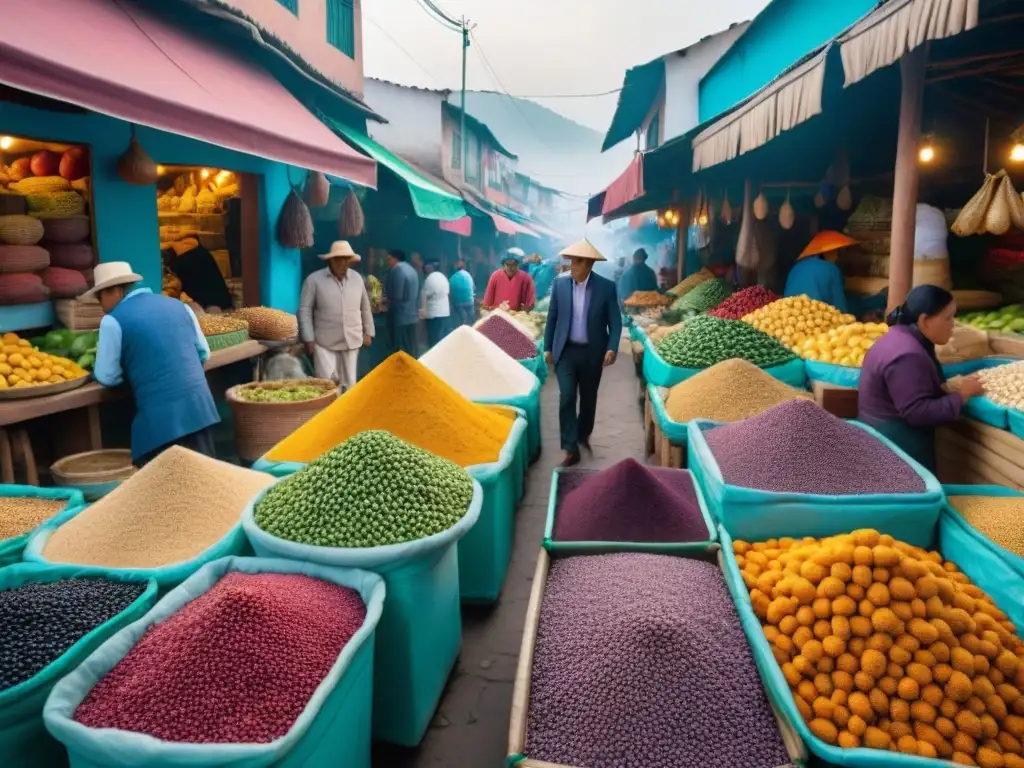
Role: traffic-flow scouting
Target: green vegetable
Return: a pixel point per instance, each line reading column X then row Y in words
column 58, row 339
column 370, row 491
column 83, row 342
column 705, row 341
column 39, row 342
column 87, row 361
column 704, row 297
column 279, row 395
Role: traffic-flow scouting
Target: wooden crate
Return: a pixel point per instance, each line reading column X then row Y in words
column 839, row 401
column 78, row 315
column 971, row 453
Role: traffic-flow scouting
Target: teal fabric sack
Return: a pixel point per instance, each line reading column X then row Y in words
column 11, row 549
column 529, row 404
column 661, row 374
column 689, row 548
column 485, row 551
column 968, row 367
column 756, row 515
column 830, row 373
column 24, row 742
column 775, row 683
column 333, row 730
column 420, row 631
column 234, row 543
column 636, row 333
column 984, row 410
column 675, row 431
column 1015, row 422
column 1012, row 559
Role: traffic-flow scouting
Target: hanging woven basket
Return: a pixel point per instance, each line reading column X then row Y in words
column 318, row 189
column 352, row 222
column 294, row 224
column 135, row 166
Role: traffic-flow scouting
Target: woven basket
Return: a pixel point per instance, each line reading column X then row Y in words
column 95, row 473
column 225, row 340
column 77, row 315
column 72, row 255
column 933, row 272
column 23, row 258
column 261, row 426
column 20, row 230
column 70, row 229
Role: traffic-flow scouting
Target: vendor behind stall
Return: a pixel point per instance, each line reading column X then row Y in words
column 155, row 344
column 510, row 285
column 639, row 276
column 815, row 272
column 901, row 390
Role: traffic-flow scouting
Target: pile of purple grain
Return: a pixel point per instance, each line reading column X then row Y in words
column 640, row 662
column 797, row 447
column 512, row 341
column 629, row 502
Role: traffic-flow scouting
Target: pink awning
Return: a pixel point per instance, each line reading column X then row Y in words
column 509, row 227
column 463, row 226
column 115, row 58
column 627, row 187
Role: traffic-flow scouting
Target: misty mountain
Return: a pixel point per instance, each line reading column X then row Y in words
column 552, row 149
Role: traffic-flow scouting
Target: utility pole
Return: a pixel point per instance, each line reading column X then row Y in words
column 464, row 23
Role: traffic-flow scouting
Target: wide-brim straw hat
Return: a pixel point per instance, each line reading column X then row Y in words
column 582, row 250
column 340, row 249
column 826, row 241
column 110, row 274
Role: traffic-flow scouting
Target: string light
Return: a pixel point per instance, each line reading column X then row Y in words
column 1017, row 153
column 6, row 142
column 160, row 170
column 926, row 153
column 205, row 173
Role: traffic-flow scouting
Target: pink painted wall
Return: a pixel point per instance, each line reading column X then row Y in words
column 306, row 34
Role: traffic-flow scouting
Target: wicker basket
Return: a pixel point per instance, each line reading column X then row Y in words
column 225, row 340
column 23, row 258
column 78, row 315
column 95, row 473
column 68, row 229
column 261, row 426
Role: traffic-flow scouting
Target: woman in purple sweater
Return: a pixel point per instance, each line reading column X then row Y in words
column 901, row 382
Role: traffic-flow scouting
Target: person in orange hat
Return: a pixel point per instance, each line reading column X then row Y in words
column 815, row 273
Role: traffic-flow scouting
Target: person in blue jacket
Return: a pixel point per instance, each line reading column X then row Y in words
column 815, row 273
column 155, row 345
column 639, row 276
column 581, row 338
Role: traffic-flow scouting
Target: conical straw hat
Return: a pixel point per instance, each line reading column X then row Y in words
column 826, row 241
column 582, row 250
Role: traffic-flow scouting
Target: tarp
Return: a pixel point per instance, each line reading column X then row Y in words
column 627, row 187
column 118, row 59
column 508, row 227
column 428, row 199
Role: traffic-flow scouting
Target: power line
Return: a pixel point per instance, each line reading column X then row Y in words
column 566, row 95
column 442, row 13
column 439, row 16
column 402, row 48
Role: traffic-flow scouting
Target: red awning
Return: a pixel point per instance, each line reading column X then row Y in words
column 627, row 187
column 463, row 226
column 509, row 227
column 115, row 58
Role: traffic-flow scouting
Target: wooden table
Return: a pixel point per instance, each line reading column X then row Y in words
column 80, row 430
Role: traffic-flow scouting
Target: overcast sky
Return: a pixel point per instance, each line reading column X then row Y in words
column 539, row 47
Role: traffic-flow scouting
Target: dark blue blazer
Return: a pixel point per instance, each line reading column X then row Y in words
column 604, row 323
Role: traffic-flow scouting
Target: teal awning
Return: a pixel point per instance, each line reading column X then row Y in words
column 428, row 199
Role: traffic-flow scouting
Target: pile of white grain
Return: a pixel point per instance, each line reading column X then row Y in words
column 476, row 367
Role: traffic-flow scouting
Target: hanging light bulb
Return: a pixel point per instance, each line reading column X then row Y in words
column 1017, row 153
column 6, row 142
column 160, row 170
column 927, row 153
column 205, row 173
column 703, row 220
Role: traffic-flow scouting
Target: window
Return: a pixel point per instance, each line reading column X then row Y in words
column 456, row 162
column 473, row 159
column 495, row 177
column 654, row 130
column 291, row 5
column 341, row 28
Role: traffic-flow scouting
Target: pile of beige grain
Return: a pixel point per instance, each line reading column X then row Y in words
column 21, row 514
column 170, row 511
column 732, row 390
column 1000, row 518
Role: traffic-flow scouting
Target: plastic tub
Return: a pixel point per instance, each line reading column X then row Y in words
column 830, row 373
column 948, row 543
column 661, row 374
column 420, row 631
column 674, row 431
column 333, row 730
column 11, row 549
column 24, row 742
column 529, row 404
column 755, row 515
column 693, row 548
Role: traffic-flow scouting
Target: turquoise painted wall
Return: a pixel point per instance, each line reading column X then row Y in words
column 125, row 215
column 780, row 36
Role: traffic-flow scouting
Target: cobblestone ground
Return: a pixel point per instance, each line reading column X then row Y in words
column 470, row 729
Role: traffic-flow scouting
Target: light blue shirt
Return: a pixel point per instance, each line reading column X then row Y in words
column 107, row 370
column 462, row 288
column 578, row 329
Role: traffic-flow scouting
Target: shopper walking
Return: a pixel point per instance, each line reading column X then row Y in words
column 462, row 290
column 335, row 320
column 436, row 304
column 155, row 345
column 402, row 288
column 581, row 338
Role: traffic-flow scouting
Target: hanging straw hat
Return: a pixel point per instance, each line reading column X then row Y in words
column 340, row 249
column 826, row 241
column 110, row 274
column 582, row 250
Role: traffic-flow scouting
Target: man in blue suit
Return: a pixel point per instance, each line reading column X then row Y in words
column 581, row 338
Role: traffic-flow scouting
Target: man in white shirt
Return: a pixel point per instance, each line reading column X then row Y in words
column 334, row 316
column 436, row 304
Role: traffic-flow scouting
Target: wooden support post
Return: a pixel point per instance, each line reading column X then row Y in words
column 249, row 185
column 907, row 176
column 681, row 230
